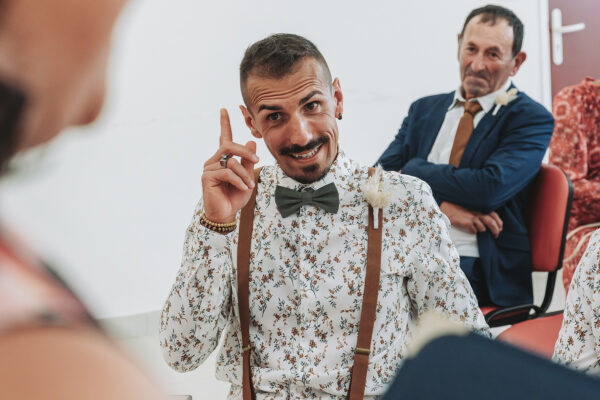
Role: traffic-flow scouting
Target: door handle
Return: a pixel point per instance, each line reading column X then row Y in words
column 557, row 31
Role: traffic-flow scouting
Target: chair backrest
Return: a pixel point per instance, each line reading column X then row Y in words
column 547, row 217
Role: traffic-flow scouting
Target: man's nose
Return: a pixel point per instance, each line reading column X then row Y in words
column 299, row 132
column 478, row 63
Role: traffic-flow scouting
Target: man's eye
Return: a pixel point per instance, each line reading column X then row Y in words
column 274, row 116
column 311, row 106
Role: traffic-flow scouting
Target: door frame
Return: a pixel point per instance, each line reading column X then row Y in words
column 544, row 47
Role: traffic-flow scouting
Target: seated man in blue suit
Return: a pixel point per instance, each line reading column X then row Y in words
column 479, row 148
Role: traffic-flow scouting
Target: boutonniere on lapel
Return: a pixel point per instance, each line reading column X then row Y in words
column 504, row 98
column 376, row 194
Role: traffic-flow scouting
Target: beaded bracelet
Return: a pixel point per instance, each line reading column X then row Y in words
column 216, row 226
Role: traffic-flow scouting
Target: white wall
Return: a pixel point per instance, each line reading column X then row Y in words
column 109, row 204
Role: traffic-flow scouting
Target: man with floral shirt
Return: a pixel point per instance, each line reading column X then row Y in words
column 578, row 343
column 307, row 266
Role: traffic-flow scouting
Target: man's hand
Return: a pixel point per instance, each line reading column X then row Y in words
column 226, row 190
column 472, row 221
column 493, row 222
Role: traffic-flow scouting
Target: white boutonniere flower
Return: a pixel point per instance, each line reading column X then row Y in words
column 504, row 98
column 376, row 194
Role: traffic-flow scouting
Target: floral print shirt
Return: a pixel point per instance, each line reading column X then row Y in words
column 307, row 275
column 578, row 343
column 575, row 147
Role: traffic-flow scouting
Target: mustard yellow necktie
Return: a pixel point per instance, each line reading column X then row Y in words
column 463, row 132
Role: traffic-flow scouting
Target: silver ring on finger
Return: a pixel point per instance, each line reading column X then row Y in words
column 223, row 159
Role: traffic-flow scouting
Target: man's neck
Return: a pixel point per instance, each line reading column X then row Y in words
column 468, row 96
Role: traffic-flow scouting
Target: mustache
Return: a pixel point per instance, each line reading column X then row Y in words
column 284, row 151
column 482, row 74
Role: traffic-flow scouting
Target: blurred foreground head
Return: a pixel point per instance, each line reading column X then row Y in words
column 53, row 58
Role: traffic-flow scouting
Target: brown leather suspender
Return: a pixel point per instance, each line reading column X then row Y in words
column 243, row 276
column 368, row 310
column 367, row 314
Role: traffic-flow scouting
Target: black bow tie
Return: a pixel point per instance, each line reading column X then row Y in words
column 289, row 201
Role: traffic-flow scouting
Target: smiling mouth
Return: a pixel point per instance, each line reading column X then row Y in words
column 307, row 155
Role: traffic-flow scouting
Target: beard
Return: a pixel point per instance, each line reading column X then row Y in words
column 311, row 174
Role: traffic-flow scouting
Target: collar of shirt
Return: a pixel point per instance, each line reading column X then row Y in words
column 487, row 102
column 339, row 172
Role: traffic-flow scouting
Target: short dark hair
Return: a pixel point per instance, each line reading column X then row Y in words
column 491, row 13
column 275, row 57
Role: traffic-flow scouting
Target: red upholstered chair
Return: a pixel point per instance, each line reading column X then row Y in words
column 547, row 217
column 535, row 335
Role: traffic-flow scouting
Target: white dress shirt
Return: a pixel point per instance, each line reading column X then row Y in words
column 465, row 242
column 306, row 287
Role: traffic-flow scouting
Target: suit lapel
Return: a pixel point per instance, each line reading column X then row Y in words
column 432, row 125
column 484, row 128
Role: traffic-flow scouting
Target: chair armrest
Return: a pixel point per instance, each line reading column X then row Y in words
column 511, row 315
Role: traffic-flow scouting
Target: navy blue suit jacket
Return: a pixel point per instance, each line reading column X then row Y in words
column 500, row 160
column 472, row 368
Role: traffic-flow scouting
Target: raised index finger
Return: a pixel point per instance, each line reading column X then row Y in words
column 226, row 135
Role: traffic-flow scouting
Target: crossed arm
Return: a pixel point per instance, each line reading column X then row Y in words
column 472, row 221
column 470, row 196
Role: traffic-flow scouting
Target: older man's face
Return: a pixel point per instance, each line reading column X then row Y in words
column 485, row 56
column 296, row 117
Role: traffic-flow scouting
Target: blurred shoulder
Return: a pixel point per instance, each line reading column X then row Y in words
column 70, row 363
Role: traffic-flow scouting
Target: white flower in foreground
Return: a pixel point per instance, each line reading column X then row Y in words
column 376, row 194
column 504, row 98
